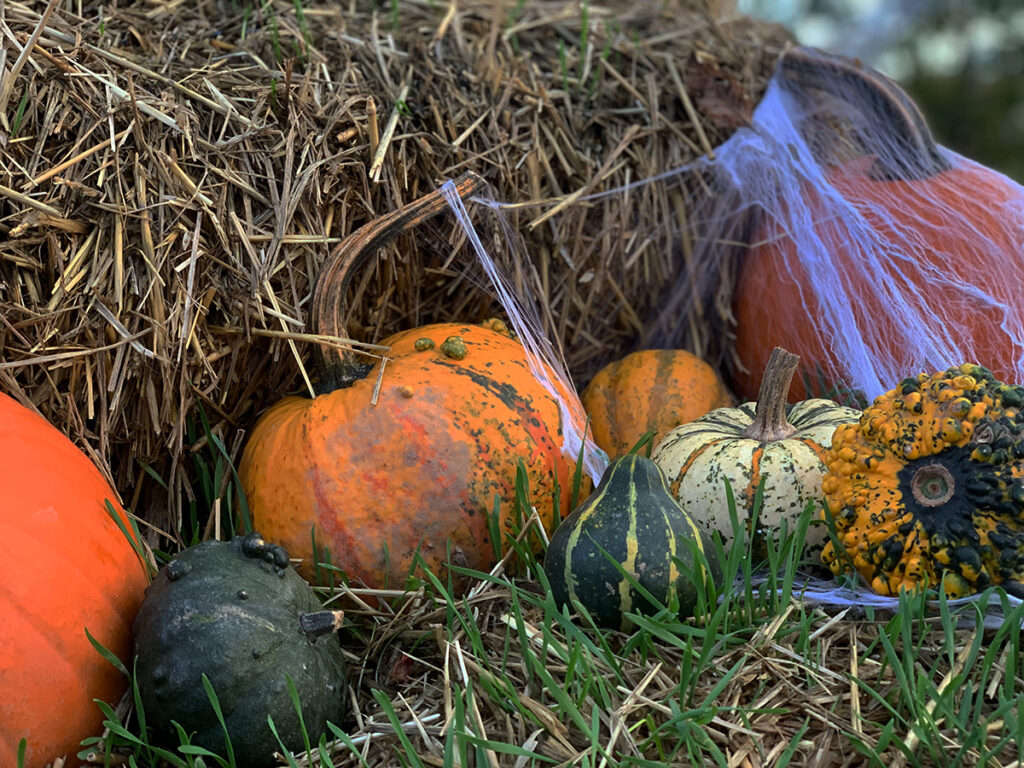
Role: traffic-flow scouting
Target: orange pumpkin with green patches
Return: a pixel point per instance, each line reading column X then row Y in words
column 653, row 390
column 928, row 486
column 411, row 455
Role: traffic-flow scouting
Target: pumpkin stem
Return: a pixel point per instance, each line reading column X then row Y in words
column 899, row 136
column 316, row 625
column 770, row 424
column 338, row 367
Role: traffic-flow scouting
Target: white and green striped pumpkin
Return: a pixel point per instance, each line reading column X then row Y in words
column 631, row 525
column 764, row 441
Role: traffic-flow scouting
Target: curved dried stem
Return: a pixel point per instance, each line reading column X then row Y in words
column 815, row 75
column 338, row 367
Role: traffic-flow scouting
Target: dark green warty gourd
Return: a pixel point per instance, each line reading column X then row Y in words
column 239, row 613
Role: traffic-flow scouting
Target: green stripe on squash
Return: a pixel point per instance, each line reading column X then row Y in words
column 629, row 530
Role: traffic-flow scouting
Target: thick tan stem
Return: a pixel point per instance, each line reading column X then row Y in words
column 316, row 625
column 809, row 73
column 770, row 423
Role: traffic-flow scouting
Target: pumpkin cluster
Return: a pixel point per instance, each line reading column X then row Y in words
column 927, row 487
column 401, row 461
column 647, row 528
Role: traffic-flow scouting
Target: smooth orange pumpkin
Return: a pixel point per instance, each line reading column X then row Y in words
column 65, row 567
column 457, row 409
column 653, row 390
column 917, row 188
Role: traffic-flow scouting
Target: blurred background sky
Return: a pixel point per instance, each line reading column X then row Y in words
column 961, row 60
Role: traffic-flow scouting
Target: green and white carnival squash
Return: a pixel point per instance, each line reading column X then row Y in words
column 630, row 525
column 239, row 613
column 759, row 441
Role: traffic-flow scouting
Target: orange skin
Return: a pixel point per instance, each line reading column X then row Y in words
column 66, row 566
column 775, row 308
column 419, row 470
column 654, row 390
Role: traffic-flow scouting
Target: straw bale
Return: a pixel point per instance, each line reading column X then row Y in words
column 173, row 174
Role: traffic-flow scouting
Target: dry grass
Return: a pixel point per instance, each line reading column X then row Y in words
column 761, row 697
column 173, row 174
column 771, row 674
column 502, row 678
column 767, row 679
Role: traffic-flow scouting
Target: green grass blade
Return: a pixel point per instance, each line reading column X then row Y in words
column 215, row 703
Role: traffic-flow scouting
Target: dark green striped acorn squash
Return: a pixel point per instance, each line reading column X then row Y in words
column 632, row 525
column 237, row 612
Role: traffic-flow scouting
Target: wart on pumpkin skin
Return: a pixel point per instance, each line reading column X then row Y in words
column 454, row 347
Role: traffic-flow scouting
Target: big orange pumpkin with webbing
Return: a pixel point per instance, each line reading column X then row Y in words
column 944, row 234
column 412, row 458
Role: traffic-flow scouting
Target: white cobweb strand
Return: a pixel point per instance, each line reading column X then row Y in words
column 991, row 605
column 547, row 366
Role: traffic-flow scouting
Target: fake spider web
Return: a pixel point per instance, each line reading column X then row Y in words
column 903, row 255
column 546, row 362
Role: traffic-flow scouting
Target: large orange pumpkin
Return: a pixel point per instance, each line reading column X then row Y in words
column 951, row 215
column 653, row 390
column 422, row 467
column 65, row 566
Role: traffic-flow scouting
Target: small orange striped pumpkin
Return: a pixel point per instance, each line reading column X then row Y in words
column 764, row 440
column 652, row 390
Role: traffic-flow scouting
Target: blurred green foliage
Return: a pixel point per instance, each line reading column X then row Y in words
column 961, row 60
column 977, row 117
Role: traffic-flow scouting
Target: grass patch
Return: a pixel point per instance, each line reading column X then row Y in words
column 501, row 675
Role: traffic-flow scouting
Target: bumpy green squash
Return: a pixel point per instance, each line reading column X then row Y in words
column 237, row 612
column 633, row 518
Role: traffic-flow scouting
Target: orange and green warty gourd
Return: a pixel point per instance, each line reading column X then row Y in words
column 928, row 487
